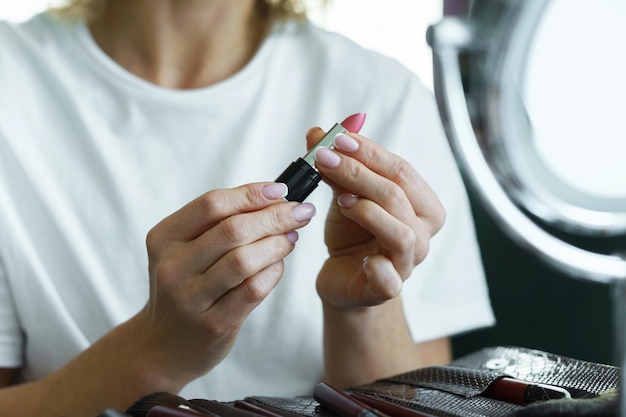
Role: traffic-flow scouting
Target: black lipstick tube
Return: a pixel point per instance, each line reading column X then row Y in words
column 301, row 176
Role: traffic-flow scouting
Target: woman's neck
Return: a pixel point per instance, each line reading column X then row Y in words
column 180, row 43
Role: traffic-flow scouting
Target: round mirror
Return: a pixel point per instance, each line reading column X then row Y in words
column 553, row 106
column 529, row 93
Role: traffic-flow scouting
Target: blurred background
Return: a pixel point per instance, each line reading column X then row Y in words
column 535, row 306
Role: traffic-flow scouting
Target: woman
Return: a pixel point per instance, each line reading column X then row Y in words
column 116, row 120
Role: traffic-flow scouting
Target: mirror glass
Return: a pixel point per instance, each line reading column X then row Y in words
column 574, row 91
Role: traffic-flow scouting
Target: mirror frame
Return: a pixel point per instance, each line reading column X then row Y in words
column 476, row 56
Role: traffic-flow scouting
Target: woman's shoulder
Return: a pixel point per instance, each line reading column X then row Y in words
column 19, row 40
column 339, row 57
column 30, row 45
column 339, row 47
column 34, row 38
column 36, row 30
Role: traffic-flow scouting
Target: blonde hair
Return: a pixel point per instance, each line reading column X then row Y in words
column 267, row 10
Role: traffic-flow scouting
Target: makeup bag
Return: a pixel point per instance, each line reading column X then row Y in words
column 465, row 389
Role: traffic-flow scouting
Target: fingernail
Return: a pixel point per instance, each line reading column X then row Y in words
column 347, row 200
column 346, row 143
column 327, row 157
column 274, row 191
column 303, row 212
column 292, row 236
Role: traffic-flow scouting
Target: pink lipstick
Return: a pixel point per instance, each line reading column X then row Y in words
column 301, row 176
column 354, row 123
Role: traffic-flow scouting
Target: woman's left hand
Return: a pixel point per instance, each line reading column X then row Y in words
column 379, row 224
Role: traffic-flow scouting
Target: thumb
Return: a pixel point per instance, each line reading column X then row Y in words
column 314, row 135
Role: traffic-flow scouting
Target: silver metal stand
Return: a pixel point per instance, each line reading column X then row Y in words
column 619, row 303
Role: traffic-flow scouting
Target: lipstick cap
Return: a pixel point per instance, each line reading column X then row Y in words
column 301, row 179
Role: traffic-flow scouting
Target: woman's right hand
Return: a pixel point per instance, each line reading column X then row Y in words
column 211, row 263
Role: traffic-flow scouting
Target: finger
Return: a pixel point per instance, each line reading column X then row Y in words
column 378, row 188
column 212, row 207
column 328, row 159
column 405, row 244
column 358, row 179
column 244, row 229
column 313, row 136
column 358, row 155
column 239, row 264
column 235, row 305
column 384, row 281
column 390, row 166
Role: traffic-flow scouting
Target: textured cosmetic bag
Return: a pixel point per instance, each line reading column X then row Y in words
column 495, row 381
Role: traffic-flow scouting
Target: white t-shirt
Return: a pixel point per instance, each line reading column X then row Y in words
column 91, row 157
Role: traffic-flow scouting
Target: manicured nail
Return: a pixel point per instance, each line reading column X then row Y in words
column 303, row 212
column 274, row 191
column 327, row 157
column 292, row 236
column 346, row 143
column 347, row 200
